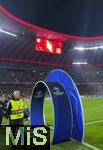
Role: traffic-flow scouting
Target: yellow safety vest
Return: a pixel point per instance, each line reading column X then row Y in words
column 17, row 109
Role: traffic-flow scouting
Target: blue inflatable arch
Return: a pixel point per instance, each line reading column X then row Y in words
column 67, row 106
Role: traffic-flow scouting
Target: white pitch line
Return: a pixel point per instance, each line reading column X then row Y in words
column 86, row 144
column 95, row 122
column 89, row 123
column 91, row 146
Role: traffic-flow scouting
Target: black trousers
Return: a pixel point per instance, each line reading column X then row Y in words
column 0, row 121
column 14, row 126
column 17, row 122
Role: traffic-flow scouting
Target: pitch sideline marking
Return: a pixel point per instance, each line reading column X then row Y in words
column 89, row 123
column 91, row 146
column 86, row 144
column 95, row 122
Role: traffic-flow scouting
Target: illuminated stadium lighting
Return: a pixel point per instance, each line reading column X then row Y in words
column 88, row 48
column 38, row 40
column 9, row 33
column 49, row 46
column 80, row 63
column 79, row 48
column 58, row 51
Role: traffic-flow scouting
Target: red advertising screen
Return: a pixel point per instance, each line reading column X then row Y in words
column 49, row 46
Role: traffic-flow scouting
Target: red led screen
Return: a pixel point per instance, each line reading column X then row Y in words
column 49, row 46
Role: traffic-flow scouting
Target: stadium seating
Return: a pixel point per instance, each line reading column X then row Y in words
column 89, row 83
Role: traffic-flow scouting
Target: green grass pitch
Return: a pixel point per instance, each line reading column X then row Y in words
column 93, row 116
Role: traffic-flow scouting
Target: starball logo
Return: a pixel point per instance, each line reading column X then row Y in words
column 38, row 94
column 57, row 91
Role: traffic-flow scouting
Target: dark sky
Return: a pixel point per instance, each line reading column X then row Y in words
column 75, row 17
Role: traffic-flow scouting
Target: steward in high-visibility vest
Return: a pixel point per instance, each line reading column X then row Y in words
column 15, row 109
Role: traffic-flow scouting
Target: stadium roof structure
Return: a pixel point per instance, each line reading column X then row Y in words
column 17, row 43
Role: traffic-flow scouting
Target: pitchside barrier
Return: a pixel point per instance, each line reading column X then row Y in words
column 67, row 106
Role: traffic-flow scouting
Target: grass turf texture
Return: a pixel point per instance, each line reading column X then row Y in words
column 93, row 111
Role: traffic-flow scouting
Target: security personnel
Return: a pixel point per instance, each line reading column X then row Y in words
column 26, row 113
column 1, row 115
column 15, row 109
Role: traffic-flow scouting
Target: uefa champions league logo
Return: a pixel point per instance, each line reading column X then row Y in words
column 57, row 91
column 38, row 94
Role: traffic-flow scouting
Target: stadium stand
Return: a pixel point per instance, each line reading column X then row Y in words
column 33, row 65
column 89, row 82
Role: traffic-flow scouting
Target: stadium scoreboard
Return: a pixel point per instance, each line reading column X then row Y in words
column 48, row 46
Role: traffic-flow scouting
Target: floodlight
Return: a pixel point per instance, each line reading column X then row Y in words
column 80, row 63
column 9, row 33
